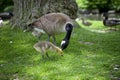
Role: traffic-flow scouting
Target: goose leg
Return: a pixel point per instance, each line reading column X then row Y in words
column 39, row 36
column 54, row 40
column 43, row 55
column 47, row 55
column 42, row 52
column 49, row 37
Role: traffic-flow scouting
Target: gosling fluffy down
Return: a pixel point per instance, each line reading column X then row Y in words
column 44, row 46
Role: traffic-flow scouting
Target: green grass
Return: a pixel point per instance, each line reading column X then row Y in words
column 91, row 55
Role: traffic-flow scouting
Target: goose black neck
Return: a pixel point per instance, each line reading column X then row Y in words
column 106, row 17
column 65, row 41
column 67, row 36
column 69, row 29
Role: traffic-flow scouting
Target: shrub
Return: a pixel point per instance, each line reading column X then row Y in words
column 9, row 9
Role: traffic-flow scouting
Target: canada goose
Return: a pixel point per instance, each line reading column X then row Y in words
column 55, row 23
column 110, row 22
column 43, row 46
column 86, row 23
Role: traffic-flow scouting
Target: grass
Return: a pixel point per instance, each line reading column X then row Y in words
column 91, row 55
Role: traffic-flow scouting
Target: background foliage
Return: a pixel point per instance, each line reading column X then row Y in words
column 98, row 4
column 4, row 4
column 91, row 4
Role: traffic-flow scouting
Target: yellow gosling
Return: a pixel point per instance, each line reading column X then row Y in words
column 44, row 46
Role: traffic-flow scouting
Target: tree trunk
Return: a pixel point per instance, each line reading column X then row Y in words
column 26, row 11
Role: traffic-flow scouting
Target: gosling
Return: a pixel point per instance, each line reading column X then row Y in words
column 44, row 46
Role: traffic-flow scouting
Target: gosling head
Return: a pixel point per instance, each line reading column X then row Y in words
column 60, row 51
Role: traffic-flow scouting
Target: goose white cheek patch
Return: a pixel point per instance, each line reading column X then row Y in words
column 63, row 42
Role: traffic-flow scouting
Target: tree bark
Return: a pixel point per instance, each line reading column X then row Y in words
column 26, row 11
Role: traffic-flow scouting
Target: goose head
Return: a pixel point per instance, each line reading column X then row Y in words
column 105, row 16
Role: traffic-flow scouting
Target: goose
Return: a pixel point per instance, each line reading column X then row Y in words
column 85, row 22
column 110, row 21
column 44, row 46
column 53, row 24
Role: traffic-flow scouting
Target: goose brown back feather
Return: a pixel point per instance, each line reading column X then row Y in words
column 52, row 23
